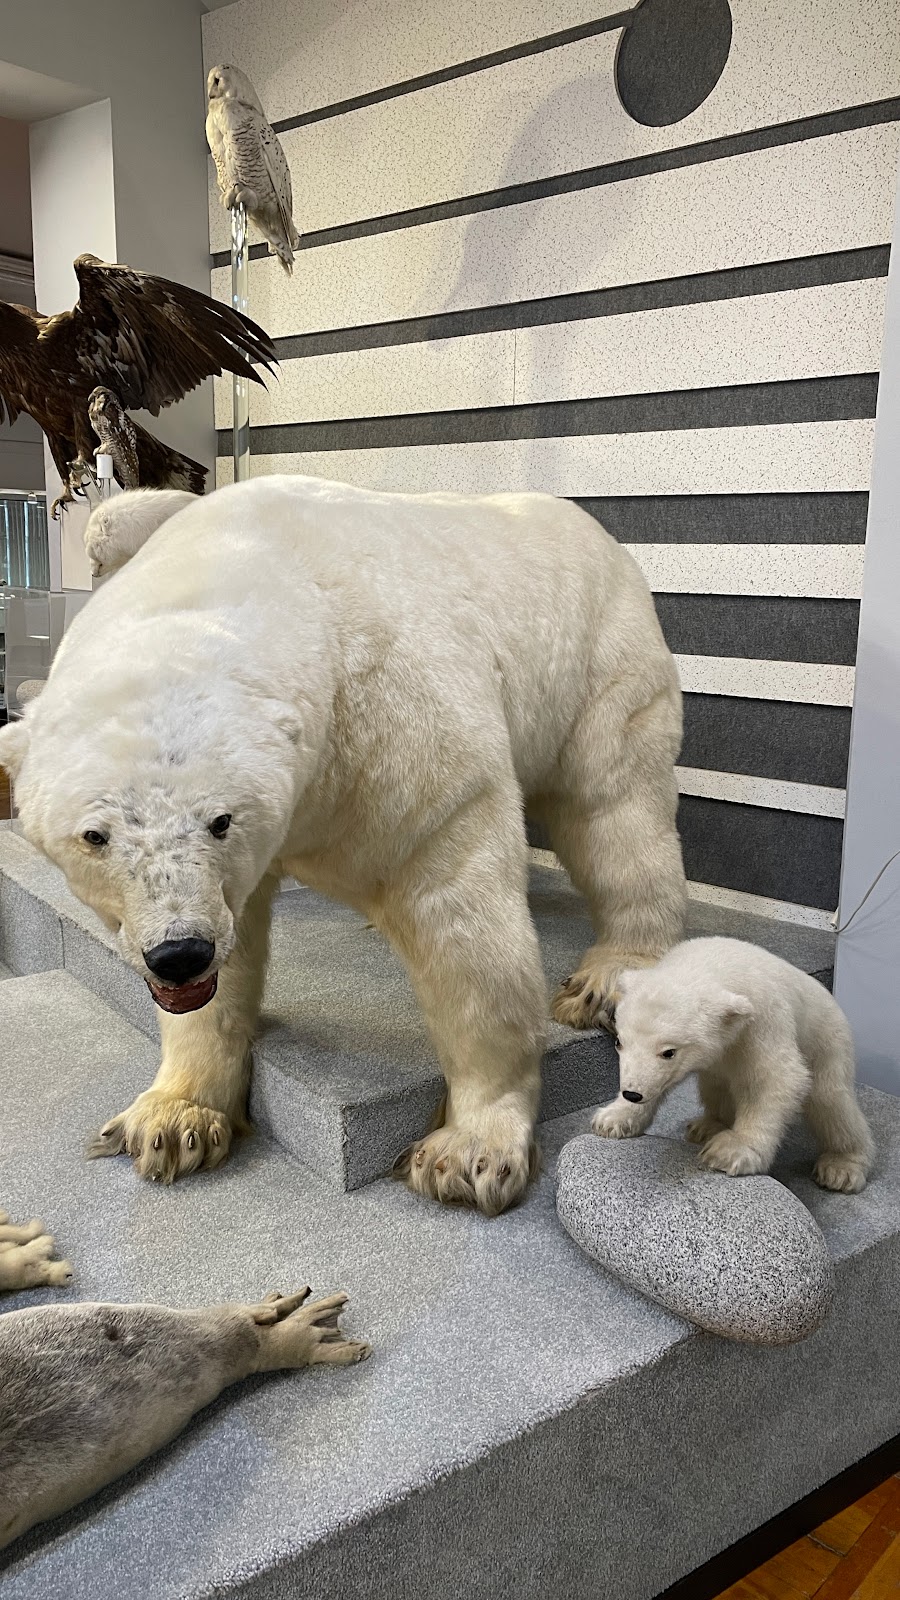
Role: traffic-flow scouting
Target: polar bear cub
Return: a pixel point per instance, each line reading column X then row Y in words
column 765, row 1041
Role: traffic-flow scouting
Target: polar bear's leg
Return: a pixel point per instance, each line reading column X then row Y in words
column 460, row 921
column 833, row 1112
column 771, row 1085
column 198, row 1099
column 718, row 1109
column 614, row 831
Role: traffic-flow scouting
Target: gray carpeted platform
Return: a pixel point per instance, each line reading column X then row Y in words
column 525, row 1426
column 345, row 1074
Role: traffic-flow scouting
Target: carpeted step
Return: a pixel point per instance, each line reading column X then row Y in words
column 526, row 1425
column 345, row 1074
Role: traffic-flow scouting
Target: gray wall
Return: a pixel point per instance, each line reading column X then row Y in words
column 867, row 974
column 145, row 58
column 508, row 282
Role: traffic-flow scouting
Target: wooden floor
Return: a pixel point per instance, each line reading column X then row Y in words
column 4, row 795
column 853, row 1556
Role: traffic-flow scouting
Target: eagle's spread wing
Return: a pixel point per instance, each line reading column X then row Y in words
column 18, row 357
column 152, row 341
column 280, row 174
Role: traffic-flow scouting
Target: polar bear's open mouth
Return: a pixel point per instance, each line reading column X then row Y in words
column 186, row 996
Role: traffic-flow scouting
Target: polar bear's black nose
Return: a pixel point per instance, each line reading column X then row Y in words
column 179, row 960
column 632, row 1094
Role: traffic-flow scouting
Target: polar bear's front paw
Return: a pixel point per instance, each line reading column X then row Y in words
column 725, row 1152
column 166, row 1137
column 703, row 1128
column 459, row 1168
column 25, row 1257
column 618, row 1121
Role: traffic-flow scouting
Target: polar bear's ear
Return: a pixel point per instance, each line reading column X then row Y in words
column 14, row 740
column 734, row 1007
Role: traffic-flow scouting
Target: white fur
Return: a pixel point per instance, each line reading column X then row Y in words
column 765, row 1041
column 369, row 684
column 111, row 538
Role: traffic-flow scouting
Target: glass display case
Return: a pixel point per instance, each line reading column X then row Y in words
column 31, row 619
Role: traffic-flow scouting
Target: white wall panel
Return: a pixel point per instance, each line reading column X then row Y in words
column 439, row 375
column 329, row 51
column 776, row 795
column 782, row 458
column 560, row 112
column 816, row 571
column 833, row 193
column 766, row 680
column 764, row 338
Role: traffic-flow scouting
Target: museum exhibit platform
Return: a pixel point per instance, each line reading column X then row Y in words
column 526, row 1424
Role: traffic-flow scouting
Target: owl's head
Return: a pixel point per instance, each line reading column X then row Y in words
column 230, row 83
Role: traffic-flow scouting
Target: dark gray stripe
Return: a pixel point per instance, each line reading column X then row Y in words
column 783, row 854
column 733, row 283
column 767, row 738
column 734, row 406
column 692, row 155
column 827, row 518
column 463, row 69
column 762, row 628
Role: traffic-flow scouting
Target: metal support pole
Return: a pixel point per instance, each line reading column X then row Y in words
column 240, row 298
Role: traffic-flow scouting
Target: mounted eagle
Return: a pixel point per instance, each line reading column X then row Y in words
column 140, row 460
column 148, row 340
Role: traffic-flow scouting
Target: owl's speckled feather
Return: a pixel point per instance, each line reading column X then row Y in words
column 251, row 166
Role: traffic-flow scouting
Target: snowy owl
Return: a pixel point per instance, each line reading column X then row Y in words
column 251, row 165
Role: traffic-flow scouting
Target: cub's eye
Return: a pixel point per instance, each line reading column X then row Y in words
column 95, row 839
column 666, row 1055
column 220, row 827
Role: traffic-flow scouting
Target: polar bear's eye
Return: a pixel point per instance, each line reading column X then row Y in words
column 94, row 838
column 220, row 827
column 666, row 1055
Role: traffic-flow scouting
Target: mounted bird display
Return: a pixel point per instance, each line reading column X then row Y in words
column 251, row 165
column 147, row 339
column 139, row 460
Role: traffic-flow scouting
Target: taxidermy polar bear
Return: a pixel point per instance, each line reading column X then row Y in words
column 358, row 689
column 766, row 1042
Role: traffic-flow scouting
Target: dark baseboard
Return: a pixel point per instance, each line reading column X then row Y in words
column 733, row 1564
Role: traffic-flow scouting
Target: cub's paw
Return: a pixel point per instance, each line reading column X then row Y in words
column 703, row 1128
column 302, row 1335
column 725, row 1152
column 618, row 1121
column 166, row 1137
column 463, row 1169
column 25, row 1257
column 841, row 1173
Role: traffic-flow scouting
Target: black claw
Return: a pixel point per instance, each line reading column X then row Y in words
column 192, row 1141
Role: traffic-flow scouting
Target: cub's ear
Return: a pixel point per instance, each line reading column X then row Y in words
column 734, row 1007
column 625, row 979
column 14, row 740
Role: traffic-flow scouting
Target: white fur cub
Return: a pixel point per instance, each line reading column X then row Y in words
column 765, row 1041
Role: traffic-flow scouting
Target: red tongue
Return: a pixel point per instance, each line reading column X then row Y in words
column 187, row 997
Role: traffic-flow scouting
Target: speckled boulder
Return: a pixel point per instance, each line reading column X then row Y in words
column 740, row 1257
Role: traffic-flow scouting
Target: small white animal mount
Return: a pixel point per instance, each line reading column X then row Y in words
column 250, row 164
column 765, row 1040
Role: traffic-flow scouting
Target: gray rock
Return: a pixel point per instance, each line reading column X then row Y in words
column 740, row 1257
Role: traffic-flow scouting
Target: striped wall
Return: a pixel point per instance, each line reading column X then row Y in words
column 506, row 282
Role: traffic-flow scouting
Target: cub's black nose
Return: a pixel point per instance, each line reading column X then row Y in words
column 179, row 960
column 632, row 1094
